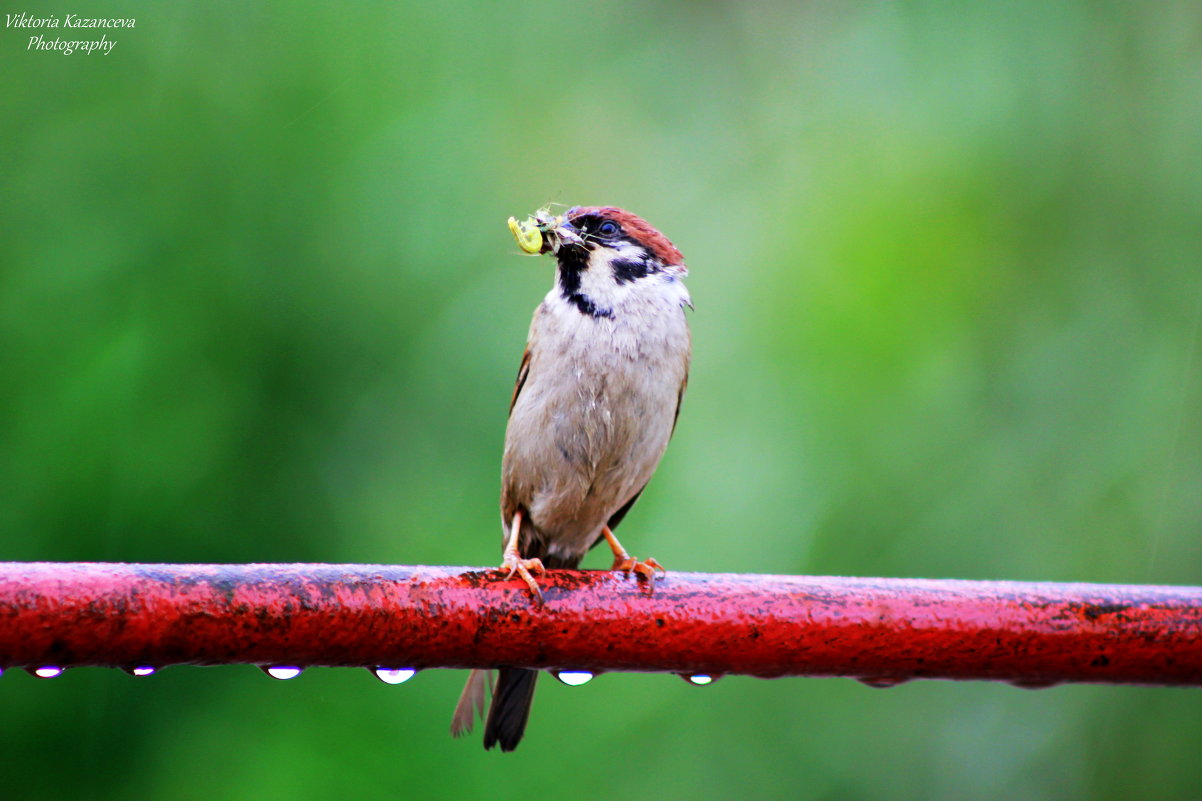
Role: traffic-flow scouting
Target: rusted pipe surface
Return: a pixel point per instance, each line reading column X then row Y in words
column 880, row 630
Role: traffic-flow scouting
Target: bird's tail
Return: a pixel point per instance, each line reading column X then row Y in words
column 510, row 708
column 511, row 699
column 471, row 702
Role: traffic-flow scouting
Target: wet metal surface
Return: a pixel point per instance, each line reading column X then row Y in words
column 883, row 631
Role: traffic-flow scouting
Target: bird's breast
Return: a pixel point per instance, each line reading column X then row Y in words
column 593, row 418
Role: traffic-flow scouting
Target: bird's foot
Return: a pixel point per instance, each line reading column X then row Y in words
column 625, row 562
column 646, row 568
column 523, row 567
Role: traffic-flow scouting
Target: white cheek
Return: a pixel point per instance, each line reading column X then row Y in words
column 626, row 250
column 598, row 282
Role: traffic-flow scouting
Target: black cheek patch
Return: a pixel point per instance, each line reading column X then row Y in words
column 627, row 270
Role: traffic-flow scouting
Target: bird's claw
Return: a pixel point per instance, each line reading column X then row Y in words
column 522, row 568
column 646, row 568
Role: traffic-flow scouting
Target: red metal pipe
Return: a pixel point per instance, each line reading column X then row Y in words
column 879, row 630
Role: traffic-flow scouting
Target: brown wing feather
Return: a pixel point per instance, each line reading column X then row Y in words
column 523, row 371
column 679, row 400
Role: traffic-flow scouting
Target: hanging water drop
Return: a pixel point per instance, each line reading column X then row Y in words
column 699, row 679
column 574, row 678
column 283, row 672
column 143, row 670
column 48, row 672
column 394, row 675
column 882, row 682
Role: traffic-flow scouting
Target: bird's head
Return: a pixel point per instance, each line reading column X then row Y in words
column 607, row 257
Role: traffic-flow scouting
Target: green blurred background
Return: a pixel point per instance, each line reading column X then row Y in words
column 258, row 303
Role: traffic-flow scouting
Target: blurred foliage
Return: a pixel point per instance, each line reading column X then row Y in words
column 258, row 303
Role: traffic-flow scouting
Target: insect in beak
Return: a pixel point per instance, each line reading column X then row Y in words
column 527, row 234
column 543, row 231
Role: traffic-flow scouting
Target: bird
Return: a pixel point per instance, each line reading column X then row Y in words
column 595, row 402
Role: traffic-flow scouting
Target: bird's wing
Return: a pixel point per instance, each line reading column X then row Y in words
column 509, row 503
column 523, row 371
column 679, row 397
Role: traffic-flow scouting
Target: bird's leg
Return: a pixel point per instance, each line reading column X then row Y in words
column 514, row 563
column 625, row 562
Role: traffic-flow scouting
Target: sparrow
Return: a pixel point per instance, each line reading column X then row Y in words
column 596, row 400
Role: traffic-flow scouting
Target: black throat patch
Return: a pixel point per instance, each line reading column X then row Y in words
column 573, row 262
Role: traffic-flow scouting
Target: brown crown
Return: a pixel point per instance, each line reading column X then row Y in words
column 660, row 246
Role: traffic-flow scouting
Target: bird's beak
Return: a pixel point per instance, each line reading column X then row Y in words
column 562, row 233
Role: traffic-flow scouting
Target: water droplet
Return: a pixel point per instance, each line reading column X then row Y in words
column 1, row 671
column 394, row 675
column 283, row 672
column 699, row 679
column 574, row 678
column 143, row 670
column 1034, row 684
column 48, row 672
column 882, row 682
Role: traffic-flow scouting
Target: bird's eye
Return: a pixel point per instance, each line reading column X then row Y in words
column 608, row 228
